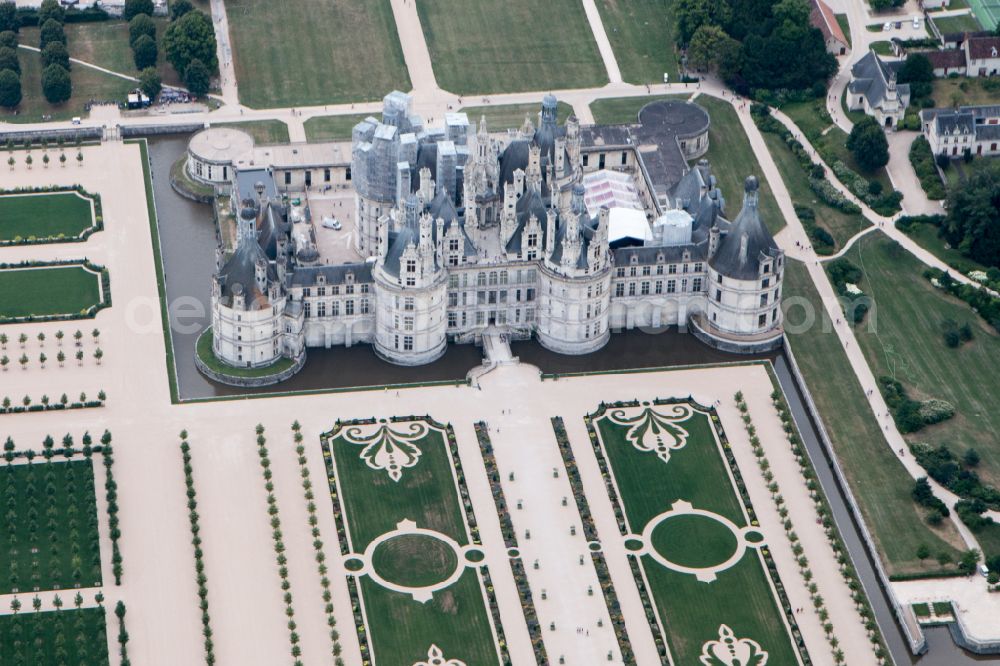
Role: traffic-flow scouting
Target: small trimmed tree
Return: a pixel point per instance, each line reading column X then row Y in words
column 10, row 94
column 868, row 144
column 144, row 52
column 56, row 84
column 197, row 78
column 149, row 81
column 135, row 7
column 141, row 24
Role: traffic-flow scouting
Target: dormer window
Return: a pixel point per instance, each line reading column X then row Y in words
column 320, row 279
column 634, row 259
column 767, row 268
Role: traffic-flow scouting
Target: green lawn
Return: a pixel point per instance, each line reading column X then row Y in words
column 882, row 47
column 961, row 23
column 264, row 132
column 37, row 635
column 926, row 235
column 491, row 47
column 909, row 346
column 691, row 610
column 845, row 26
column 333, row 128
column 965, row 91
column 813, row 119
column 48, row 290
column 43, row 529
column 44, row 215
column 624, row 110
column 840, row 225
column 642, row 35
column 878, row 480
column 88, row 84
column 511, row 116
column 401, row 629
column 311, row 52
column 732, row 159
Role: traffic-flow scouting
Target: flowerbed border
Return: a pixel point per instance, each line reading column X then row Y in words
column 510, row 541
column 590, row 534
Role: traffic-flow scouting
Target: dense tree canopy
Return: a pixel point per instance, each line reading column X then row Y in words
column 8, row 17
column 144, row 52
column 8, row 39
column 52, row 31
column 777, row 46
column 179, row 8
column 868, row 144
column 56, row 84
column 140, row 25
column 197, row 78
column 917, row 68
column 191, row 37
column 135, row 7
column 55, row 53
column 10, row 89
column 149, row 81
column 51, row 9
column 8, row 60
column 973, row 220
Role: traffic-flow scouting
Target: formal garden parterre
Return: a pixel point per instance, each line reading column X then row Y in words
column 34, row 637
column 49, row 215
column 695, row 545
column 410, row 543
column 49, row 291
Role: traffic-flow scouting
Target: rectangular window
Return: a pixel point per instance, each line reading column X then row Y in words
column 631, row 288
column 364, row 306
column 718, row 295
column 309, row 178
column 321, row 309
column 335, row 308
column 644, row 290
column 671, row 286
column 452, row 299
column 659, row 286
column 619, row 289
column 645, row 271
column 763, row 300
column 407, row 323
column 326, row 175
column 452, row 319
column 349, row 307
column 673, row 269
column 762, row 320
column 408, row 303
column 697, row 284
column 411, row 265
column 624, row 158
column 620, row 271
column 288, row 178
column 348, row 288
column 765, row 283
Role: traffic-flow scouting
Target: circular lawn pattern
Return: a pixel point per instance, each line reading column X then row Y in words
column 694, row 541
column 414, row 560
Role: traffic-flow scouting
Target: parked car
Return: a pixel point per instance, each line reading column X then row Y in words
column 899, row 24
column 916, row 22
column 886, row 27
column 332, row 223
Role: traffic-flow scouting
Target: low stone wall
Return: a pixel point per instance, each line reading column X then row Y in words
column 249, row 382
column 68, row 135
column 733, row 346
column 961, row 636
column 917, row 641
column 129, row 131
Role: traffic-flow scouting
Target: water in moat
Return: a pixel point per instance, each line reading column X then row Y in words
column 188, row 241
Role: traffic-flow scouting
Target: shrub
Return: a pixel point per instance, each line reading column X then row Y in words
column 56, row 84
column 144, row 52
column 141, row 25
column 55, row 53
column 51, row 31
column 10, row 89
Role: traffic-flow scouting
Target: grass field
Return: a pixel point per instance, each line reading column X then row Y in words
column 49, row 290
column 963, row 91
column 624, row 110
column 400, row 628
column 961, row 23
column 37, row 636
column 315, row 51
column 88, row 84
column 44, row 215
column 878, row 480
column 511, row 116
column 332, row 128
column 926, row 235
column 732, row 159
column 40, row 550
column 840, row 225
column 908, row 345
column 205, row 353
column 691, row 611
column 515, row 46
column 845, row 26
column 813, row 119
column 264, row 132
column 642, row 35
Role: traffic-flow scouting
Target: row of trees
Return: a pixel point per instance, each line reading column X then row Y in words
column 190, row 48
column 43, row 359
column 756, row 44
column 59, row 335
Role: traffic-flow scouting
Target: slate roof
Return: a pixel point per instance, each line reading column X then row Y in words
column 306, row 276
column 748, row 240
column 870, row 77
column 239, row 275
